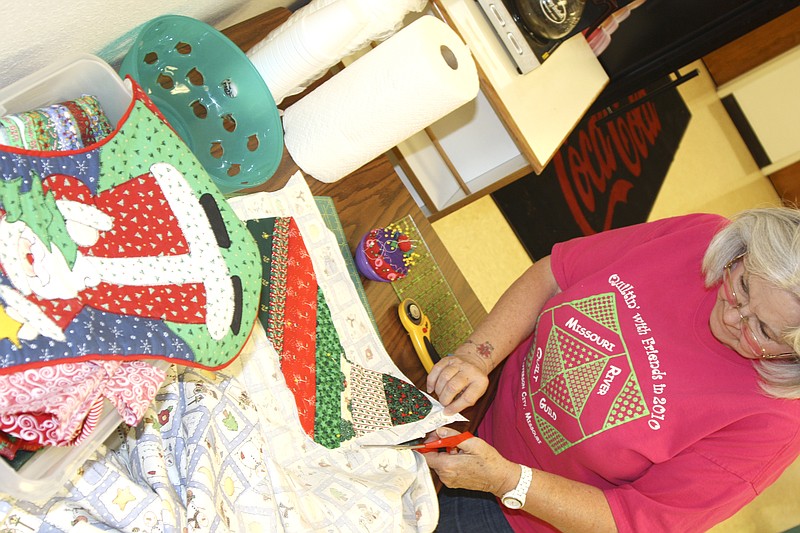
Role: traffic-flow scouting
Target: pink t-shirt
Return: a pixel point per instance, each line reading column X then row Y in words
column 626, row 389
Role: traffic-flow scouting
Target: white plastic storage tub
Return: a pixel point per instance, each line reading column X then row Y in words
column 48, row 469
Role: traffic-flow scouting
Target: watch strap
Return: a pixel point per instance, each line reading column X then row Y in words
column 515, row 498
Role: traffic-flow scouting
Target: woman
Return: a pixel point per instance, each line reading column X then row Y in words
column 650, row 380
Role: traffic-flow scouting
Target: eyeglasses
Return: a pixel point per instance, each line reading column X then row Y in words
column 748, row 331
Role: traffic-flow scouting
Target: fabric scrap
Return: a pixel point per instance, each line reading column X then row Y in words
column 330, row 428
column 277, row 283
column 298, row 356
column 60, row 405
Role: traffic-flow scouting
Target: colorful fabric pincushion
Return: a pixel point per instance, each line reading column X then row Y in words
column 385, row 254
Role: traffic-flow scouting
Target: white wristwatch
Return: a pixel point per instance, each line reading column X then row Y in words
column 515, row 498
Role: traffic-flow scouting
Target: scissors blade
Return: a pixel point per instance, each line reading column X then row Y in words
column 447, row 443
column 395, row 446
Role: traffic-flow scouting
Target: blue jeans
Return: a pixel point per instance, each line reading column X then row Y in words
column 469, row 511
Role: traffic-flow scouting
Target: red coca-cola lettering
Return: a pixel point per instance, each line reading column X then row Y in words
column 607, row 157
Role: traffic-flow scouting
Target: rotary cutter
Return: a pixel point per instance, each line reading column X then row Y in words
column 419, row 329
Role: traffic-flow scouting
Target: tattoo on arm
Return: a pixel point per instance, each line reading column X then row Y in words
column 484, row 349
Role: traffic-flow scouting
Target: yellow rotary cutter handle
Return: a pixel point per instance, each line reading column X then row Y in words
column 419, row 329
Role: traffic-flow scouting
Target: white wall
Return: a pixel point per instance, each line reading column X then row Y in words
column 39, row 32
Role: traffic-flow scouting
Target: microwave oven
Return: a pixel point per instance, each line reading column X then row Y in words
column 527, row 28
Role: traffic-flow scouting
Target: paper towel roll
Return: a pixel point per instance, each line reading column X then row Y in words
column 319, row 35
column 404, row 85
column 384, row 17
column 316, row 42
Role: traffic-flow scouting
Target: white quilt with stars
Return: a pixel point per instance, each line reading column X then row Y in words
column 224, row 451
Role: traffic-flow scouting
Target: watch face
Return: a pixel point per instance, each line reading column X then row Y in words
column 512, row 503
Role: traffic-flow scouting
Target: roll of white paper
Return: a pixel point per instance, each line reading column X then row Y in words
column 291, row 59
column 319, row 35
column 404, row 85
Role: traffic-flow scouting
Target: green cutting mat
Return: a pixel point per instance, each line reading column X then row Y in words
column 331, row 219
column 426, row 284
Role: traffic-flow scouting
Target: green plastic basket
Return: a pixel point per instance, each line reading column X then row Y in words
column 212, row 95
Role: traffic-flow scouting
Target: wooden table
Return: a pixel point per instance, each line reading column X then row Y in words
column 370, row 197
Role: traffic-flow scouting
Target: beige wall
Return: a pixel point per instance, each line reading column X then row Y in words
column 713, row 171
column 39, row 32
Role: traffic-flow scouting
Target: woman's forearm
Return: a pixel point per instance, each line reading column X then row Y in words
column 514, row 316
column 461, row 380
column 565, row 504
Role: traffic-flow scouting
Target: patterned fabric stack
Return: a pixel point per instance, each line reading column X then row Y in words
column 70, row 125
column 226, row 450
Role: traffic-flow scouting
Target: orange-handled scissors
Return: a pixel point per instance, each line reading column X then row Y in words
column 447, row 443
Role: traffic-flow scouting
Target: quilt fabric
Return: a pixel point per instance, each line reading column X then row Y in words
column 230, row 450
column 121, row 249
column 115, row 246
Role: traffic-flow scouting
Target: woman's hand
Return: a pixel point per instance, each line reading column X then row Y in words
column 565, row 504
column 476, row 466
column 459, row 380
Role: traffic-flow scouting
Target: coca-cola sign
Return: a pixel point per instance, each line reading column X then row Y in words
column 589, row 172
column 606, row 174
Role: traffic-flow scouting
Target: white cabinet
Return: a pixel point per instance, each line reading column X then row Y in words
column 478, row 146
column 515, row 126
column 764, row 104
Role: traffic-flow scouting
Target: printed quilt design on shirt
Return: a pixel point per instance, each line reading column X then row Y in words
column 579, row 375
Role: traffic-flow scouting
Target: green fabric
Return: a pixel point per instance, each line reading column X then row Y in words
column 262, row 231
column 329, row 427
column 406, row 403
column 145, row 140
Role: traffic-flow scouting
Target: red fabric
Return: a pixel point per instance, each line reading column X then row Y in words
column 298, row 358
column 140, row 211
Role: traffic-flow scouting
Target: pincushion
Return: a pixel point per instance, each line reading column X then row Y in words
column 385, row 254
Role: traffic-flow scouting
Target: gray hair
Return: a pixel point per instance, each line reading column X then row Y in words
column 771, row 238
